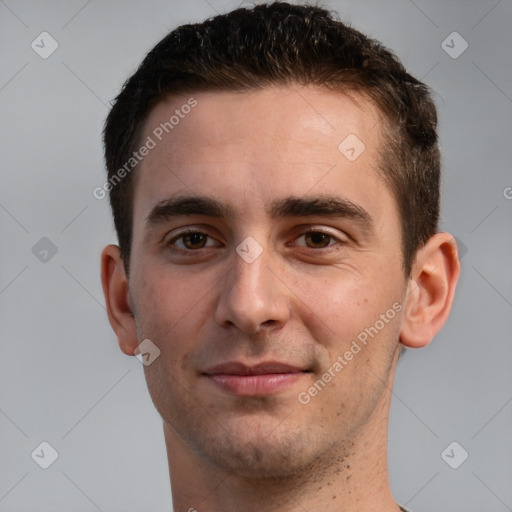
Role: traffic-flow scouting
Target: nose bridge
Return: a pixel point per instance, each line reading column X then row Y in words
column 251, row 295
column 245, row 276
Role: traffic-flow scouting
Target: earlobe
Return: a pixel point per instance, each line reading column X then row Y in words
column 117, row 299
column 430, row 291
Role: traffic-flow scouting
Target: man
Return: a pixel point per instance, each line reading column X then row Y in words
column 274, row 180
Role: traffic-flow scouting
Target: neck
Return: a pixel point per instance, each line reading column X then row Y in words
column 351, row 477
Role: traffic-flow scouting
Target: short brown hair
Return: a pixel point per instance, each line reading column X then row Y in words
column 282, row 44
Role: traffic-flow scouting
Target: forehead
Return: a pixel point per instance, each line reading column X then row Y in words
column 289, row 113
column 259, row 144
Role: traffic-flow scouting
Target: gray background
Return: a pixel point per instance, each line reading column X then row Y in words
column 62, row 377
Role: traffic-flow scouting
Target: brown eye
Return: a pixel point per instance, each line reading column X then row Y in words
column 194, row 240
column 191, row 240
column 317, row 240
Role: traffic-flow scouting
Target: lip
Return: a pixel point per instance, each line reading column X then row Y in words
column 262, row 379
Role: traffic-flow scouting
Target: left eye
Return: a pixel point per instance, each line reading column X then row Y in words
column 191, row 240
column 318, row 239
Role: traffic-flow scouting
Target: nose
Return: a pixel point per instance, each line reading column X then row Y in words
column 252, row 297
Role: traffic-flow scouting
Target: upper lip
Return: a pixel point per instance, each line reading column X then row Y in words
column 269, row 367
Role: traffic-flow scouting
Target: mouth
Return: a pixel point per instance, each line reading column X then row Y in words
column 262, row 379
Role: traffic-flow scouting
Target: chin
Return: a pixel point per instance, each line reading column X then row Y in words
column 255, row 459
column 270, row 453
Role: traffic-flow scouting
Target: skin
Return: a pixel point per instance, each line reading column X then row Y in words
column 302, row 301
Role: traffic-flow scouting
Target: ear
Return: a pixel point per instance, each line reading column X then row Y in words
column 430, row 290
column 117, row 298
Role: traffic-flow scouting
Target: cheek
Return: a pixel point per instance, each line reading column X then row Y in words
column 340, row 306
column 165, row 307
column 351, row 318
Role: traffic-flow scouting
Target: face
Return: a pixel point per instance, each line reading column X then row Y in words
column 266, row 267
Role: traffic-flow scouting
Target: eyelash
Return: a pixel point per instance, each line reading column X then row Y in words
column 183, row 235
column 192, row 231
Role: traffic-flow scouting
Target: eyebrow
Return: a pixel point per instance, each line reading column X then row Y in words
column 330, row 206
column 189, row 205
column 306, row 206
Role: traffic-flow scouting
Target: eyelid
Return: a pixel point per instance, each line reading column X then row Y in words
column 184, row 230
column 187, row 230
column 318, row 229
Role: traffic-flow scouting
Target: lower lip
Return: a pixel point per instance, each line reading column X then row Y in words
column 253, row 385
